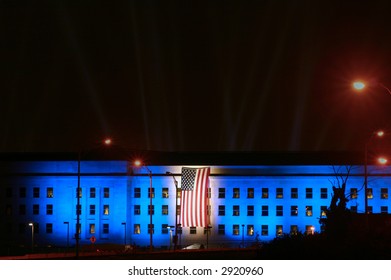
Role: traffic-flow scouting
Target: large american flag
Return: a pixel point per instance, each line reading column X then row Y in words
column 194, row 199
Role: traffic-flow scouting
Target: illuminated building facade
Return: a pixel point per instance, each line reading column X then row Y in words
column 252, row 197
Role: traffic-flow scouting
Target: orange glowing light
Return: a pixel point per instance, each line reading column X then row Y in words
column 108, row 141
column 137, row 162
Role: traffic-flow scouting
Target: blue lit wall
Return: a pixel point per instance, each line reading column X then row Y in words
column 122, row 182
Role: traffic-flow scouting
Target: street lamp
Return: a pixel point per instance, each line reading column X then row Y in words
column 140, row 164
column 360, row 86
column 175, row 212
column 106, row 142
column 124, row 224
column 207, row 229
column 32, row 236
column 170, row 228
column 242, row 235
column 67, row 223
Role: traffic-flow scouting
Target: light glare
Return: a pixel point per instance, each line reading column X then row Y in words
column 358, row 85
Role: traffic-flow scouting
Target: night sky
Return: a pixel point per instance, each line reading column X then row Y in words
column 193, row 75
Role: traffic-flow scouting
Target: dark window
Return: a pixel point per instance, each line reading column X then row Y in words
column 279, row 210
column 137, row 210
column 92, row 209
column 22, row 192
column 264, row 230
column 137, row 192
column 106, row 229
column 221, row 229
column 221, row 210
column 151, row 209
column 250, row 210
column 236, row 193
column 36, row 209
column 265, row 193
column 294, row 193
column 36, row 192
column 106, row 192
column 49, row 209
column 308, row 193
column 221, row 192
column 250, row 192
column 164, row 209
column 49, row 228
column 235, row 210
column 164, row 228
column 323, row 193
column 265, row 210
column 92, row 192
column 294, row 210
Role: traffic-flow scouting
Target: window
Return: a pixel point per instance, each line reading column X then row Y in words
column 264, row 230
column 265, row 193
column 294, row 210
column 49, row 209
column 49, row 228
column 78, row 209
column 165, row 193
column 294, row 230
column 92, row 229
column 370, row 209
column 137, row 209
column 235, row 210
column 323, row 211
column 250, row 210
column 294, row 193
column 178, row 210
column 92, row 209
column 353, row 209
column 92, row 192
column 323, row 193
column 353, row 193
column 106, row 229
column 153, row 192
column 221, row 210
column 209, row 192
column 384, row 193
column 384, row 209
column 49, row 192
column 36, row 192
column 265, row 210
column 308, row 193
column 193, row 230
column 164, row 209
column 221, row 192
column 151, row 209
column 279, row 193
column 79, row 192
column 279, row 210
column 22, row 209
column 137, row 192
column 250, row 230
column 236, row 193
column 164, row 228
column 208, row 210
column 309, row 230
column 36, row 209
column 369, row 193
column 106, row 209
column 221, row 229
column 22, row 192
column 235, row 229
column 279, row 230
column 250, row 192
column 178, row 192
column 106, row 192
column 136, row 229
column 308, row 211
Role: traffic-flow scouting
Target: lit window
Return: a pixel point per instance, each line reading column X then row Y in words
column 278, row 230
column 106, row 192
column 221, row 229
column 323, row 193
column 153, row 192
column 294, row 210
column 235, row 229
column 279, row 210
column 221, row 192
column 92, row 229
column 49, row 192
column 137, row 192
column 250, row 192
column 279, row 193
column 294, row 193
column 221, row 210
column 236, row 193
column 106, row 209
column 308, row 193
column 137, row 209
column 92, row 209
column 264, row 230
column 309, row 230
column 165, row 193
column 79, row 192
column 250, row 230
column 384, row 193
column 92, row 192
column 265, row 193
column 193, row 230
column 308, row 211
column 105, row 228
column 164, row 209
column 353, row 193
column 323, row 211
column 250, row 210
column 179, row 193
column 265, row 210
column 235, row 210
column 369, row 193
column 49, row 209
column 136, row 229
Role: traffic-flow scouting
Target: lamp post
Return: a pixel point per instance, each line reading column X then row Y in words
column 124, row 224
column 32, row 236
column 242, row 235
column 139, row 163
column 67, row 223
column 207, row 229
column 175, row 212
